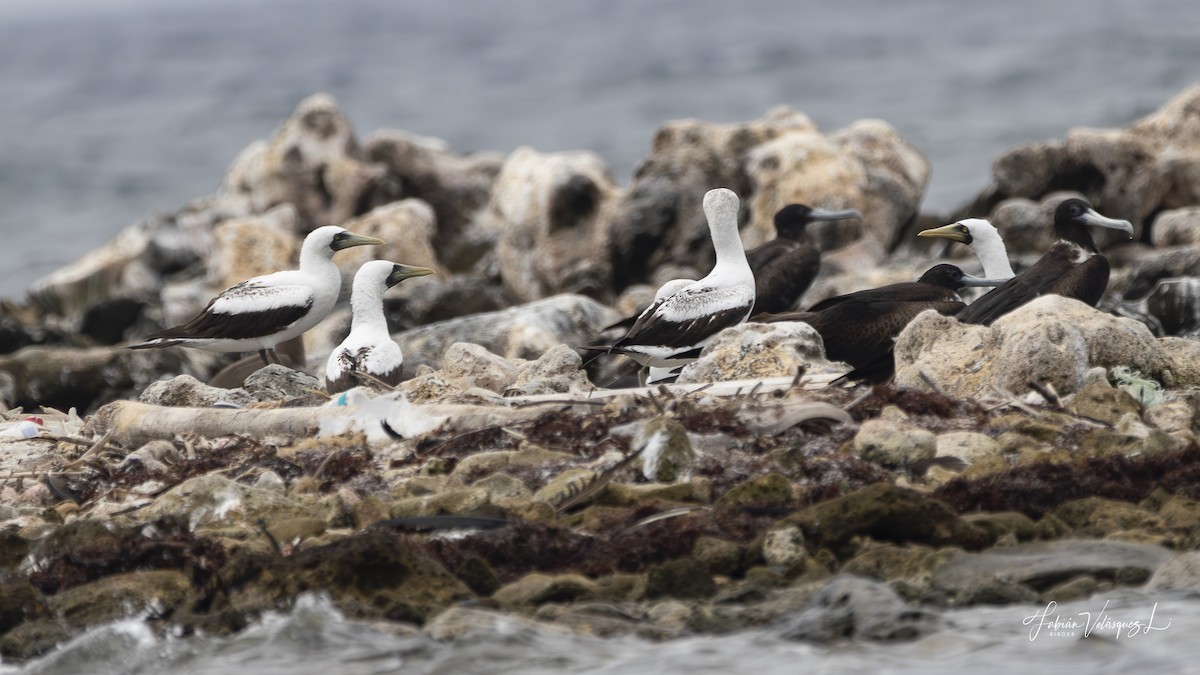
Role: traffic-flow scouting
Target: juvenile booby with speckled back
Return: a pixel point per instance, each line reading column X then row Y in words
column 369, row 348
column 674, row 332
column 259, row 313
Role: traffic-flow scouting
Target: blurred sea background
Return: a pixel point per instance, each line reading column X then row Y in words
column 112, row 111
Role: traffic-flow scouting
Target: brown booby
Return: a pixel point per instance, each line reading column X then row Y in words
column 369, row 348
column 673, row 332
column 860, row 328
column 785, row 266
column 259, row 313
column 1072, row 267
column 984, row 241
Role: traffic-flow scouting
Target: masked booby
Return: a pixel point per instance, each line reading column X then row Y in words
column 785, row 266
column 984, row 241
column 1072, row 267
column 369, row 348
column 673, row 332
column 259, row 313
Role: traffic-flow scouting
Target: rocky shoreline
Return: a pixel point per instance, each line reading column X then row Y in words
column 1050, row 456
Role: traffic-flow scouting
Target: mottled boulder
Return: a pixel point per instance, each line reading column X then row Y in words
column 892, row 443
column 276, row 382
column 866, row 165
column 121, row 595
column 1099, row 400
column 1052, row 339
column 1128, row 173
column 810, row 168
column 1184, row 355
column 549, row 216
column 1176, row 227
column 526, row 331
column 759, row 350
column 1026, row 225
column 376, row 574
column 537, row 589
column 186, row 391
column 557, row 371
column 408, row 229
column 854, row 608
column 215, row 501
column 313, row 162
column 660, row 218
column 471, row 365
column 1176, row 304
column 887, row 513
column 82, row 378
column 456, row 186
column 969, row 446
column 1181, row 573
column 252, row 246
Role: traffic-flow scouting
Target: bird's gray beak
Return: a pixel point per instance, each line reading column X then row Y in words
column 350, row 239
column 822, row 214
column 953, row 232
column 1091, row 217
column 969, row 281
column 402, row 272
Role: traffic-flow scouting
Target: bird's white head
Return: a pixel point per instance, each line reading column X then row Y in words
column 721, row 206
column 327, row 240
column 379, row 275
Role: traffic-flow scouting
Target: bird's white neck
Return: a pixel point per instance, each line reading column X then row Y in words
column 317, row 259
column 727, row 242
column 989, row 248
column 366, row 308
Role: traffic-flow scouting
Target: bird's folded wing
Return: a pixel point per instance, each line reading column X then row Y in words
column 249, row 311
column 689, row 317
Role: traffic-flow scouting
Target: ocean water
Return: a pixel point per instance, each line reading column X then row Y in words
column 314, row 639
column 111, row 111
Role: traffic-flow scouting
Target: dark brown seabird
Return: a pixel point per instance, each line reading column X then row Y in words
column 1072, row 267
column 860, row 328
column 785, row 266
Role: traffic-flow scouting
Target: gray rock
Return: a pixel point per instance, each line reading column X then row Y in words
column 1051, row 339
column 667, row 452
column 1126, row 173
column 276, row 382
column 471, row 365
column 456, row 186
column 969, row 446
column 185, row 391
column 1176, row 227
column 215, row 501
column 558, row 371
column 1025, row 225
column 849, row 608
column 1041, row 565
column 659, row 219
column 525, row 332
column 759, row 350
column 313, row 162
column 1184, row 354
column 1176, row 304
column 784, row 547
column 893, row 443
column 548, row 213
column 1181, row 573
